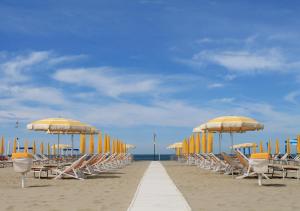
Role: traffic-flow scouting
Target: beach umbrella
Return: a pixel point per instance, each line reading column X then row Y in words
column 99, row 143
column 42, row 148
column 82, row 143
column 34, row 148
column 171, row 146
column 2, row 146
column 26, row 146
column 54, row 150
column 210, row 142
column 192, row 145
column 131, row 146
column 288, row 146
column 254, row 149
column 229, row 124
column 277, row 147
column 91, row 144
column 204, row 142
column 48, row 149
column 108, row 143
column 298, row 144
column 269, row 147
column 15, row 146
column 261, row 148
column 62, row 126
column 197, row 143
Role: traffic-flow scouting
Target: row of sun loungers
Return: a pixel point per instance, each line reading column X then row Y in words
column 240, row 165
column 83, row 166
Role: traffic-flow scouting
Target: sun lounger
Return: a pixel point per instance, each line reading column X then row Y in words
column 233, row 165
column 73, row 170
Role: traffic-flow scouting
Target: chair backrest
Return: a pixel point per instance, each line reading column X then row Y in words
column 243, row 160
column 77, row 164
column 228, row 159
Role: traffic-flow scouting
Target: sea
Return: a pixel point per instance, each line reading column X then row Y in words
column 140, row 157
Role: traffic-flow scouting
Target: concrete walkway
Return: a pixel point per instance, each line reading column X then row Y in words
column 157, row 191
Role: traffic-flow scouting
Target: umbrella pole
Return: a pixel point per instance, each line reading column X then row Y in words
column 231, row 137
column 220, row 137
column 72, row 140
column 58, row 154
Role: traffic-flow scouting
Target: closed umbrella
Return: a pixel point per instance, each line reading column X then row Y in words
column 269, row 147
column 26, row 146
column 42, row 148
column 2, row 146
column 82, row 143
column 229, row 124
column 197, row 143
column 99, row 143
column 277, row 147
column 48, row 149
column 34, row 148
column 288, row 146
column 261, row 148
column 204, row 142
column 54, row 150
column 15, row 146
column 192, row 145
column 91, row 144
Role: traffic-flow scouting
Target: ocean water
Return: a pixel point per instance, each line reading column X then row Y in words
column 138, row 157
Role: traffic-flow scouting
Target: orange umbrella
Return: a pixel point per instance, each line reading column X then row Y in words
column 210, row 143
column 298, row 144
column 277, row 147
column 15, row 146
column 91, row 144
column 82, row 143
column 288, row 146
column 269, row 147
column 197, row 143
column 99, row 143
column 42, row 148
column 261, row 148
column 192, row 145
column 2, row 146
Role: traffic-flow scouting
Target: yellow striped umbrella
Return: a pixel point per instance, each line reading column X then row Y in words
column 269, row 147
column 15, row 146
column 204, row 142
column 261, row 148
column 298, row 144
column 62, row 126
column 229, row 124
column 34, row 148
column 42, row 148
column 210, row 142
column 108, row 143
column 91, row 144
column 288, row 146
column 2, row 146
column 82, row 143
column 99, row 143
column 277, row 147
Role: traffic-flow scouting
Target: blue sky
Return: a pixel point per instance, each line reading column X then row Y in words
column 134, row 67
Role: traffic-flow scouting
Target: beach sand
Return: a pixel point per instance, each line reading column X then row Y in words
column 109, row 191
column 205, row 190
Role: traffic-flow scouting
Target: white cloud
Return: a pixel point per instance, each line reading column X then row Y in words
column 245, row 61
column 215, row 85
column 108, row 81
column 224, row 100
column 292, row 96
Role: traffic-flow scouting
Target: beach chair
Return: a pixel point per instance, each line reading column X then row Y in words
column 73, row 170
column 248, row 169
column 233, row 166
column 219, row 165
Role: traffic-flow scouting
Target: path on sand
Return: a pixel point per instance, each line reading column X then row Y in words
column 157, row 191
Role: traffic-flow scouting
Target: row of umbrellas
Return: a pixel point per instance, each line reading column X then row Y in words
column 229, row 124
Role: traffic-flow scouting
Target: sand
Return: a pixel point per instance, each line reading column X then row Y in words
column 109, row 191
column 205, row 190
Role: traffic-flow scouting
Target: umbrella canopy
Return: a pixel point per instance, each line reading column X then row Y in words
column 15, row 146
column 192, row 145
column 48, row 149
column 34, row 148
column 172, row 146
column 61, row 146
column 210, row 141
column 42, row 148
column 230, row 124
column 131, row 146
column 62, row 126
column 204, row 142
column 2, row 146
column 244, row 145
column 91, row 144
column 82, row 143
column 269, row 147
column 288, row 146
column 261, row 148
